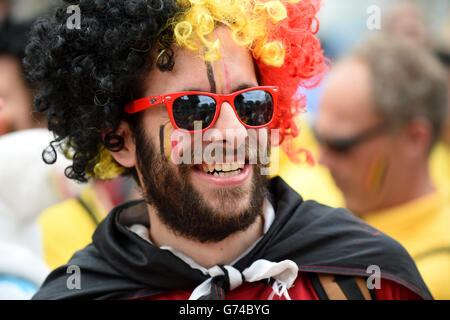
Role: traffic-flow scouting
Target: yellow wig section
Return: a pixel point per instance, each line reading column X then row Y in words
column 248, row 20
column 106, row 167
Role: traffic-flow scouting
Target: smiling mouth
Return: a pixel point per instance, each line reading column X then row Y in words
column 222, row 170
column 223, row 175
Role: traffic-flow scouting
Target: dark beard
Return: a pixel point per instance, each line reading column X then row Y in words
column 182, row 208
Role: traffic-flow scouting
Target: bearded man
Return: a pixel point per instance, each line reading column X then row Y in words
column 143, row 88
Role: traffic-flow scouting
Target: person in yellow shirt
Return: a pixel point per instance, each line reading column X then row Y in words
column 68, row 226
column 381, row 113
column 422, row 226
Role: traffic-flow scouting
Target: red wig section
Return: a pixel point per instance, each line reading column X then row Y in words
column 304, row 66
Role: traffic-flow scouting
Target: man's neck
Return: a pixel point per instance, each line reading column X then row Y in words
column 206, row 254
column 414, row 186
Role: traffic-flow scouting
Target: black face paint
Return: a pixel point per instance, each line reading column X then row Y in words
column 210, row 73
column 161, row 139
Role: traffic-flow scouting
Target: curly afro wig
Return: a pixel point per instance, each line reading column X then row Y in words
column 84, row 77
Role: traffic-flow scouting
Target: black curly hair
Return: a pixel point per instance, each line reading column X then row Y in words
column 83, row 77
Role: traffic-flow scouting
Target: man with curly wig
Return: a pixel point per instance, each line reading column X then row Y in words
column 136, row 74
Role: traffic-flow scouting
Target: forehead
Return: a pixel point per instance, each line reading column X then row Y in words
column 347, row 104
column 190, row 70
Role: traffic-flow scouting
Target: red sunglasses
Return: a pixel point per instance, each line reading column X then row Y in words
column 254, row 107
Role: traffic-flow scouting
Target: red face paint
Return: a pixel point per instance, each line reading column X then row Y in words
column 227, row 77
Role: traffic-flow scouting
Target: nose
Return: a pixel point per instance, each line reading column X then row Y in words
column 228, row 127
column 228, row 119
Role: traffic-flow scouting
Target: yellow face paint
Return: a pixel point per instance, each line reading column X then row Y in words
column 376, row 175
column 165, row 134
column 219, row 76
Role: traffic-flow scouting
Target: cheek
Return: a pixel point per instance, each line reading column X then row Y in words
column 154, row 117
column 352, row 169
column 178, row 146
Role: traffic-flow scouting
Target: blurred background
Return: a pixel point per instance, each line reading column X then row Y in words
column 344, row 24
column 27, row 227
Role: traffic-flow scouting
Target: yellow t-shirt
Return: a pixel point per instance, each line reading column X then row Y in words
column 68, row 227
column 423, row 228
column 440, row 167
column 311, row 182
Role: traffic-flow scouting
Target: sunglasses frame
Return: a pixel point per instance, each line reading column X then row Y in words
column 168, row 99
column 345, row 145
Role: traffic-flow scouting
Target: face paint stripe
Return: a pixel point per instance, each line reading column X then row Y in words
column 370, row 176
column 164, row 141
column 219, row 78
column 210, row 73
column 376, row 175
column 381, row 175
column 227, row 77
column 161, row 140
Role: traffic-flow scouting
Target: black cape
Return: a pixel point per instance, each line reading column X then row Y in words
column 120, row 264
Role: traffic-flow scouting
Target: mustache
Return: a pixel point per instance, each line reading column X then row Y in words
column 215, row 152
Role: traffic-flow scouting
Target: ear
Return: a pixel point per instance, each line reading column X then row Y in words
column 418, row 136
column 127, row 155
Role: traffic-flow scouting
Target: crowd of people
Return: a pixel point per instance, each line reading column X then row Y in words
column 76, row 165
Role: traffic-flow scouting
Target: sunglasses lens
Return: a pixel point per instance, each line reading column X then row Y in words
column 254, row 108
column 191, row 108
column 340, row 146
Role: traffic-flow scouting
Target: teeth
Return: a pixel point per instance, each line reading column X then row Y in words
column 223, row 170
column 225, row 167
